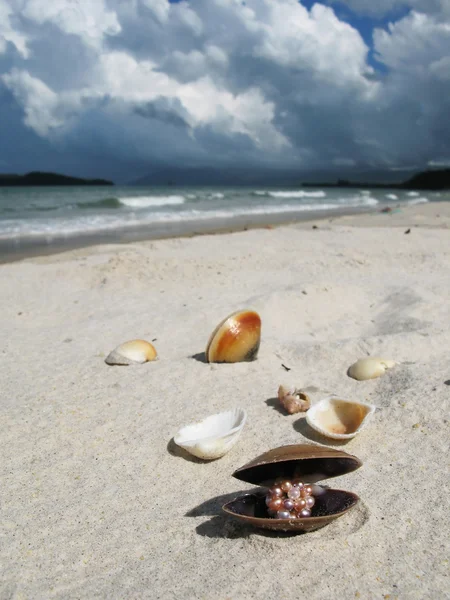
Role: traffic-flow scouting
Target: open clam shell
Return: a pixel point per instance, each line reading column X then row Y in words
column 214, row 436
column 338, row 418
column 306, row 462
column 132, row 352
column 369, row 368
column 236, row 338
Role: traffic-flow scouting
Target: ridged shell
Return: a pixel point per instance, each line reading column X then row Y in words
column 338, row 418
column 236, row 338
column 369, row 368
column 132, row 352
column 308, row 462
column 214, row 436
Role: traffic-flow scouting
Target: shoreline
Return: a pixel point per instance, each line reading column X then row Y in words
column 31, row 247
column 11, row 252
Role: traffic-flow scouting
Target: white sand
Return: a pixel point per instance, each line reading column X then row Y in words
column 95, row 500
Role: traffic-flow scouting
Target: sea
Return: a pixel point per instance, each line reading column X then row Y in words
column 37, row 220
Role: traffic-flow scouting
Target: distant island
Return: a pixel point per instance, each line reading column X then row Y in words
column 435, row 180
column 39, row 178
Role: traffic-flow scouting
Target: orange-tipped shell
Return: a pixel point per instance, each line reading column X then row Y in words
column 236, row 338
column 134, row 351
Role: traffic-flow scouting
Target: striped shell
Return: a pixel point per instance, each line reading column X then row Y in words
column 235, row 339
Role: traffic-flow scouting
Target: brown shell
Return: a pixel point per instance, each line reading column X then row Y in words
column 236, row 338
column 311, row 463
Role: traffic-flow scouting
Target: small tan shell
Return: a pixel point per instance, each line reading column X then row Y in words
column 293, row 400
column 132, row 352
column 339, row 419
column 235, row 339
column 369, row 368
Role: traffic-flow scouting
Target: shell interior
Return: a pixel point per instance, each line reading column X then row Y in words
column 338, row 418
column 214, row 436
column 303, row 461
column 252, row 510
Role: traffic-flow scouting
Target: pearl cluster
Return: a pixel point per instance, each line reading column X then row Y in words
column 290, row 499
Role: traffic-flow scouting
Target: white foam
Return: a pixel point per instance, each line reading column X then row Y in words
column 148, row 201
column 217, row 195
column 421, row 200
column 297, row 194
column 392, row 196
column 413, row 194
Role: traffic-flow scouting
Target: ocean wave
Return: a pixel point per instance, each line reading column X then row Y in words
column 297, row 194
column 392, row 196
column 217, row 195
column 103, row 203
column 102, row 223
column 149, row 201
column 421, row 200
column 413, row 194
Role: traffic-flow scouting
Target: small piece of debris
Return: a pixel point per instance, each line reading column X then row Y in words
column 408, row 231
column 416, row 426
column 285, row 367
column 315, row 227
column 304, row 292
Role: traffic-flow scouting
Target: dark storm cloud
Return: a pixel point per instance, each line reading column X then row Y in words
column 122, row 88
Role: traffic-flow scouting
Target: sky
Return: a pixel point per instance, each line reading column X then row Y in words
column 125, row 88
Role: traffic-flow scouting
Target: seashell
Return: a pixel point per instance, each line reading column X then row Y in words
column 293, row 400
column 369, row 368
column 214, row 436
column 306, row 462
column 236, row 338
column 338, row 418
column 133, row 352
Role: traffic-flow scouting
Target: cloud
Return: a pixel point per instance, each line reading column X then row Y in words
column 125, row 87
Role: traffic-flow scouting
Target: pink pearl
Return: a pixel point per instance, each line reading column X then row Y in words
column 275, row 504
column 308, row 489
column 294, row 493
column 300, row 503
column 310, row 502
column 304, row 513
column 283, row 514
column 276, row 491
column 288, row 504
column 298, row 484
column 286, row 486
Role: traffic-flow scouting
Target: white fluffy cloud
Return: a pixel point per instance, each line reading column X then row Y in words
column 217, row 83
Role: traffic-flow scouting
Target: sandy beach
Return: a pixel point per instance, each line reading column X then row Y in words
column 98, row 502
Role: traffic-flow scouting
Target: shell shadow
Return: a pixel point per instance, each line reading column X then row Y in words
column 221, row 526
column 301, row 425
column 276, row 405
column 200, row 357
column 176, row 450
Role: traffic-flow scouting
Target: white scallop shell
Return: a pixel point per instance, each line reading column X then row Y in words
column 338, row 418
column 214, row 436
column 369, row 368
